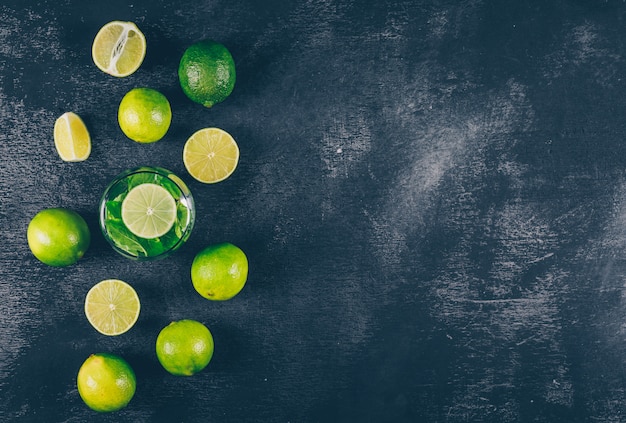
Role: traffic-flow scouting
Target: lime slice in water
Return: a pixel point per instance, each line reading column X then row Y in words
column 149, row 211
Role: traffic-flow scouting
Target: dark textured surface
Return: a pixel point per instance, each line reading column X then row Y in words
column 431, row 194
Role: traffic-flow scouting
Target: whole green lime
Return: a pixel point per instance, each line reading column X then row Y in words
column 58, row 236
column 144, row 115
column 106, row 382
column 219, row 272
column 184, row 347
column 207, row 72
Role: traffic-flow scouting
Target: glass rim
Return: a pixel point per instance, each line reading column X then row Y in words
column 185, row 193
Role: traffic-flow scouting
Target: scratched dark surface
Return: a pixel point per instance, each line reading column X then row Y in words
column 431, row 194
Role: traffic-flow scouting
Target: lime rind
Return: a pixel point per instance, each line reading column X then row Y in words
column 185, row 347
column 106, row 382
column 144, row 115
column 207, row 73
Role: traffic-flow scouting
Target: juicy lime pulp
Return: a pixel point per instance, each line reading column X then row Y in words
column 219, row 272
column 112, row 307
column 119, row 235
column 106, row 382
column 144, row 115
column 58, row 236
column 149, row 211
column 71, row 138
column 206, row 72
column 184, row 347
column 119, row 48
column 211, row 155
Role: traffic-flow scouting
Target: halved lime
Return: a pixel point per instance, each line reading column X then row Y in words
column 211, row 155
column 119, row 48
column 149, row 211
column 112, row 307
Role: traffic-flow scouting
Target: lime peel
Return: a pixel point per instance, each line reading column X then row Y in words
column 106, row 382
column 144, row 115
column 206, row 72
column 184, row 347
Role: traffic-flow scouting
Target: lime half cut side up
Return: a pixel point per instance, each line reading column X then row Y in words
column 211, row 155
column 119, row 48
column 149, row 211
column 112, row 307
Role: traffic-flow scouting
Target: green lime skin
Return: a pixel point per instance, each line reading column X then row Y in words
column 144, row 115
column 58, row 237
column 106, row 382
column 184, row 347
column 219, row 272
column 206, row 72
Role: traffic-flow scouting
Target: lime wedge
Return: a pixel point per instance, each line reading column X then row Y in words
column 210, row 155
column 112, row 307
column 71, row 138
column 119, row 48
column 149, row 211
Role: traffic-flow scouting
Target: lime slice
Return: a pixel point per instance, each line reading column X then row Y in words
column 149, row 211
column 211, row 155
column 71, row 138
column 119, row 48
column 112, row 307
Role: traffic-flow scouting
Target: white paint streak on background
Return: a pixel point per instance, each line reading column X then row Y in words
column 14, row 42
column 604, row 264
column 448, row 144
column 582, row 46
column 500, row 310
column 344, row 145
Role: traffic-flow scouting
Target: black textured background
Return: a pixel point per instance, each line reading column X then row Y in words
column 431, row 194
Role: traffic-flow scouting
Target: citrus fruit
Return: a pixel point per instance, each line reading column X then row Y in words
column 219, row 272
column 149, row 211
column 119, row 48
column 211, row 155
column 184, row 347
column 71, row 138
column 144, row 115
column 206, row 72
column 112, row 307
column 106, row 382
column 58, row 236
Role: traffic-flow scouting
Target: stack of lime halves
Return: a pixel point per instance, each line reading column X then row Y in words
column 60, row 237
